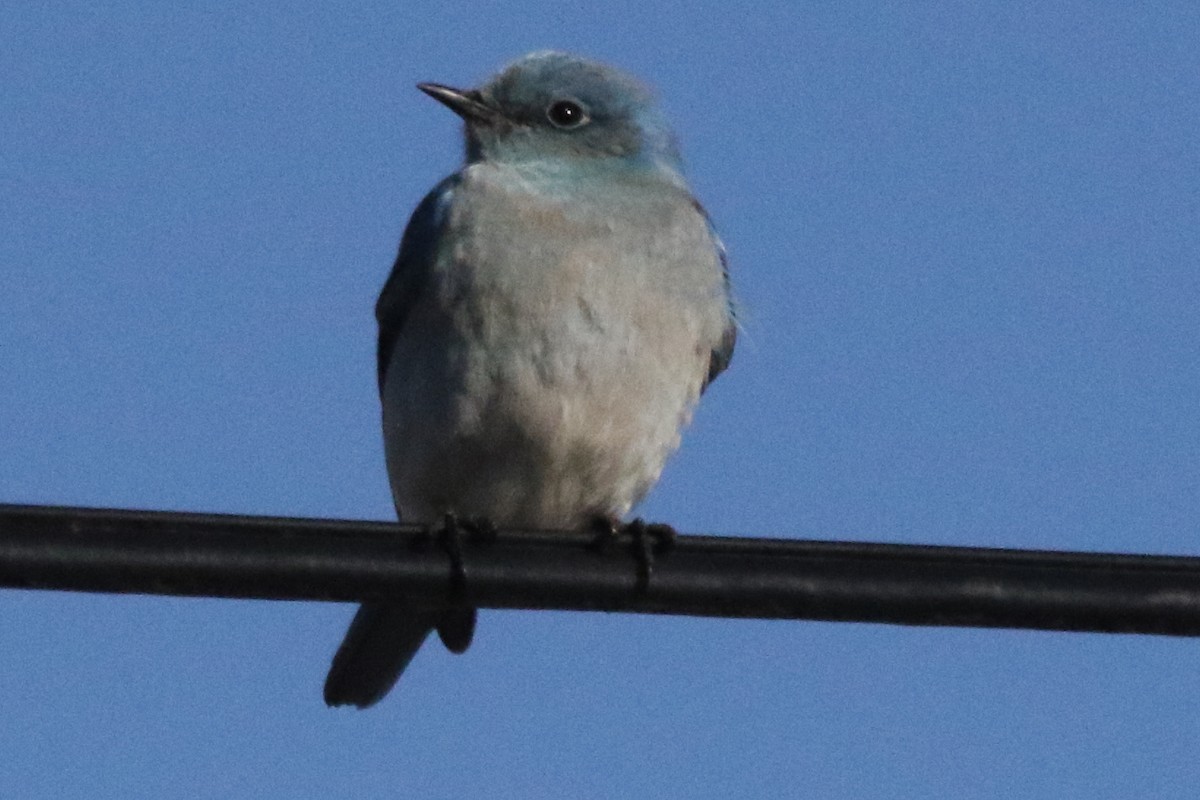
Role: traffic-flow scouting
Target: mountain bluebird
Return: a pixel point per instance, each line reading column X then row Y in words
column 557, row 307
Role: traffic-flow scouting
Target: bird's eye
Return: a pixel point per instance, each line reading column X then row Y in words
column 566, row 114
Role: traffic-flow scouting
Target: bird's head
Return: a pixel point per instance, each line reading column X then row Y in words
column 553, row 107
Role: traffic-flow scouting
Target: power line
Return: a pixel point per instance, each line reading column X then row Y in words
column 168, row 553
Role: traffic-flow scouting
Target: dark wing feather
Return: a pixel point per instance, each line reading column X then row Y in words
column 384, row 637
column 722, row 352
column 410, row 273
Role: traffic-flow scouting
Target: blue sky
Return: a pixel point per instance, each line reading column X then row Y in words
column 966, row 243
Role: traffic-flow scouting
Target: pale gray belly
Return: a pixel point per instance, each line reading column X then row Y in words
column 545, row 424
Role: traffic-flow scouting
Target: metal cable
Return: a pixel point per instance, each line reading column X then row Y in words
column 154, row 552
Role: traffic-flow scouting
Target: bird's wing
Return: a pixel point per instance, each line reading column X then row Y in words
column 410, row 273
column 722, row 351
column 385, row 636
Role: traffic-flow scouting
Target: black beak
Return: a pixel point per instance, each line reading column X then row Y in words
column 467, row 104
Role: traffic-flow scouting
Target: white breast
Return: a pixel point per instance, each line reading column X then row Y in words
column 544, row 376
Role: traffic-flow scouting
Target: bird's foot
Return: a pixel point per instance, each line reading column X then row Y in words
column 449, row 534
column 456, row 627
column 647, row 540
column 606, row 530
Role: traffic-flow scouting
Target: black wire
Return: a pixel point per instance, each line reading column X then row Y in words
column 154, row 552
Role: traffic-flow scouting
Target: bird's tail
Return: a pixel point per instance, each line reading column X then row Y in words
column 381, row 641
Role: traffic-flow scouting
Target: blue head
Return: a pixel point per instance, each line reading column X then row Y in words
column 554, row 107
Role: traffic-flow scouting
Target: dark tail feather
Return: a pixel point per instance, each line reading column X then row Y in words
column 381, row 641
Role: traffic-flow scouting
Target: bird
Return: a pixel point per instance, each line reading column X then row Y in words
column 556, row 309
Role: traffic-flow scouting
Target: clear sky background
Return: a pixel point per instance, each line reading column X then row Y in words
column 966, row 243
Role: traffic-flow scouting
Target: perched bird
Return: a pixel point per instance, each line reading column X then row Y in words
column 556, row 309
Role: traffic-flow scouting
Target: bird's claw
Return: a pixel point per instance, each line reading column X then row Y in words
column 456, row 627
column 649, row 540
column 646, row 539
column 606, row 531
